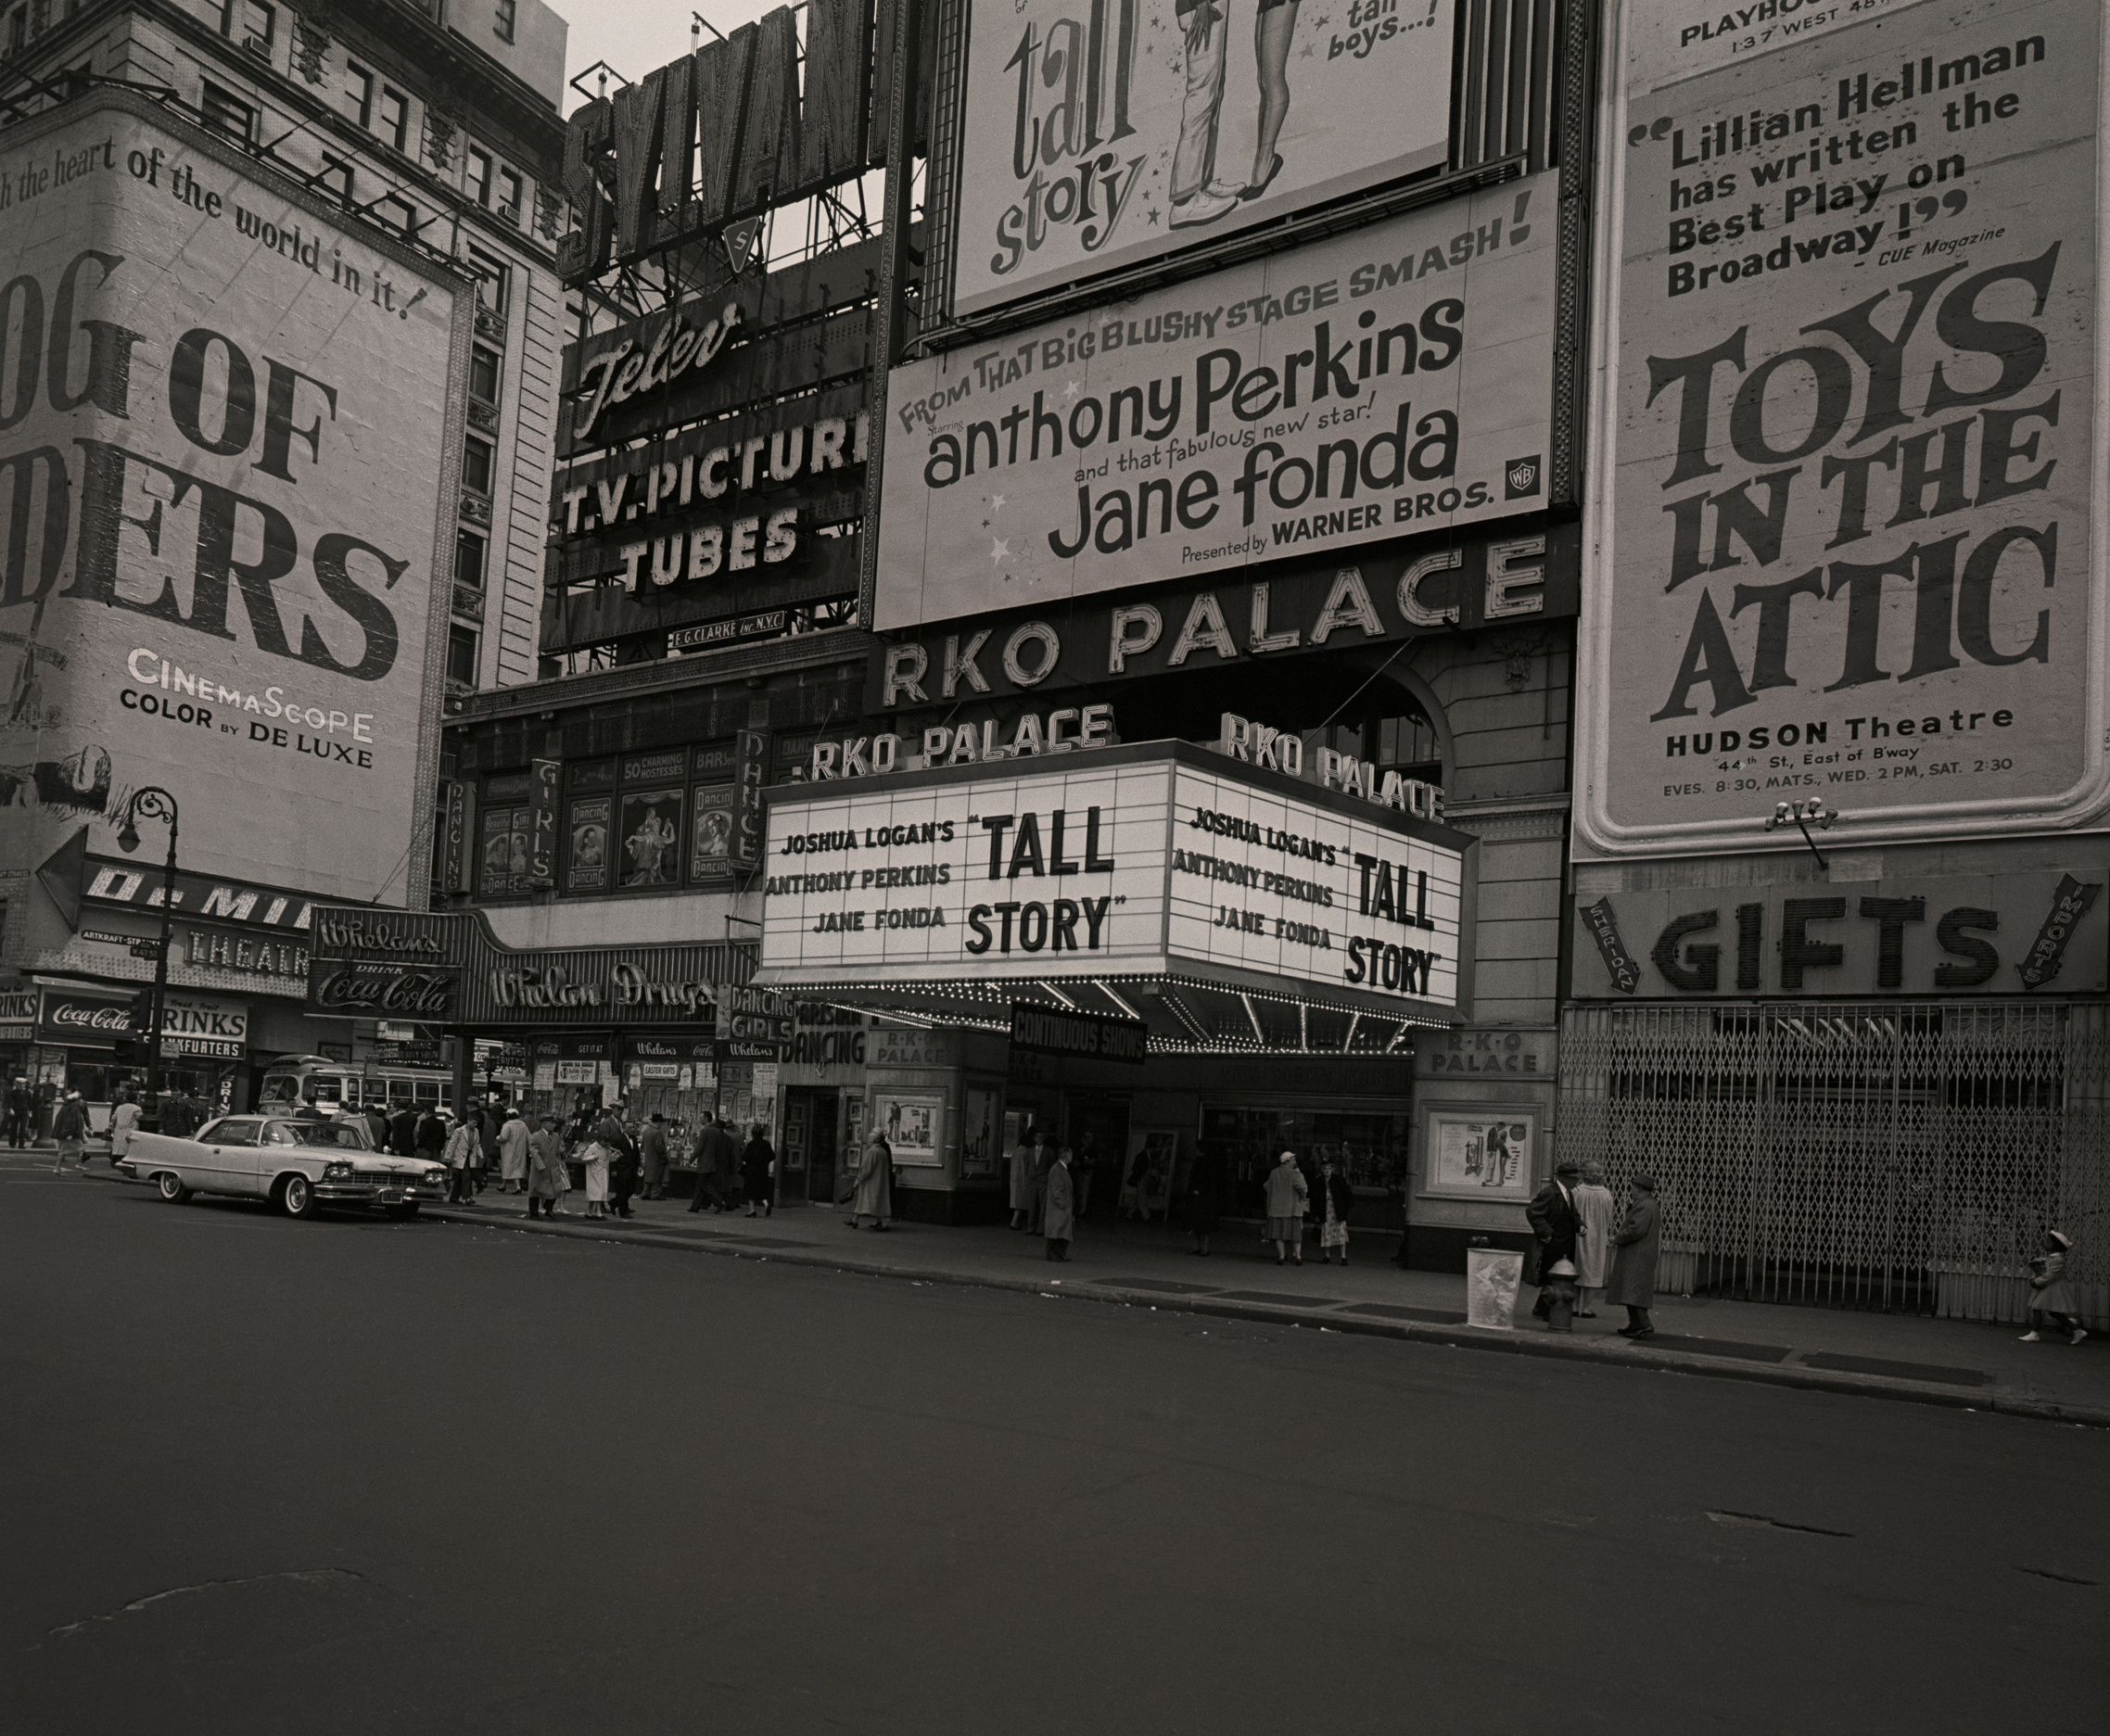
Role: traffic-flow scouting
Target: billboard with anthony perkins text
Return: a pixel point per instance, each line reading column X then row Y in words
column 1393, row 380
column 1847, row 460
column 223, row 440
column 1100, row 134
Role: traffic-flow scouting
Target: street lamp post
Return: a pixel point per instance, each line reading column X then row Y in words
column 154, row 803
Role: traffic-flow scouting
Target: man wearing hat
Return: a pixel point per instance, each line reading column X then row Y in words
column 1633, row 1285
column 1555, row 1221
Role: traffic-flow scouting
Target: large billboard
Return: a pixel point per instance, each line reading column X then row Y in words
column 1124, row 862
column 1097, row 135
column 1393, row 380
column 1847, row 463
column 223, row 423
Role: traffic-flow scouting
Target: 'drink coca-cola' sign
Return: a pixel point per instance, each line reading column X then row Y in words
column 380, row 989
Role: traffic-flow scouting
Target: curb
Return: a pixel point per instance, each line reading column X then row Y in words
column 1453, row 1338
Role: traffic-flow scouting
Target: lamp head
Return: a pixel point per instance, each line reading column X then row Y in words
column 128, row 836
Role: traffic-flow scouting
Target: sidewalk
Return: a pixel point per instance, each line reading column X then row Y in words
column 1957, row 1363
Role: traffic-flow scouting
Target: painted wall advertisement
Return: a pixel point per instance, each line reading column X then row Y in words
column 222, row 440
column 1390, row 381
column 1146, row 856
column 1099, row 136
column 1846, row 427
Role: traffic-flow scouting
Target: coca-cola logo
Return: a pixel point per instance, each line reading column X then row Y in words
column 427, row 992
column 70, row 1016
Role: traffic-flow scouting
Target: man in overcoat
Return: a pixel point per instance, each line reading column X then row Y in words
column 1555, row 1222
column 1633, row 1285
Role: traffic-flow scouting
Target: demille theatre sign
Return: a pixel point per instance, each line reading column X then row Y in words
column 1150, row 860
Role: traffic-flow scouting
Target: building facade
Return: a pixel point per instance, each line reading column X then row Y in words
column 1837, row 948
column 350, row 365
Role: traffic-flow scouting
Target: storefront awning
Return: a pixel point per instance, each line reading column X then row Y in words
column 1227, row 907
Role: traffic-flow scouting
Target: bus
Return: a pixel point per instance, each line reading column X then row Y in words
column 338, row 1087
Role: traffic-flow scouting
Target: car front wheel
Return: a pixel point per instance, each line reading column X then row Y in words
column 297, row 1196
column 173, row 1188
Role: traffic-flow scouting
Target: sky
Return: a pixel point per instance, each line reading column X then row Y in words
column 638, row 36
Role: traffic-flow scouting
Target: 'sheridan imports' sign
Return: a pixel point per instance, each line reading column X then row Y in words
column 1141, row 862
column 1098, row 135
column 1390, row 381
column 222, row 430
column 1849, row 469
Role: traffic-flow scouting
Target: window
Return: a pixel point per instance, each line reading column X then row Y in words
column 475, row 464
column 359, row 92
column 398, row 214
column 18, row 29
column 483, row 373
column 502, row 855
column 462, row 656
column 509, row 194
column 226, row 112
column 469, row 559
column 336, row 179
column 508, row 12
column 493, row 280
column 478, row 182
column 394, row 117
column 258, row 22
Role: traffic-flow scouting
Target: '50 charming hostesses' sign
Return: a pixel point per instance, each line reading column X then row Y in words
column 1146, row 860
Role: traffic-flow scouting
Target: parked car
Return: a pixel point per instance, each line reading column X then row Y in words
column 299, row 1165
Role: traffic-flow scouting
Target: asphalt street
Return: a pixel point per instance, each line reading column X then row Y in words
column 352, row 1476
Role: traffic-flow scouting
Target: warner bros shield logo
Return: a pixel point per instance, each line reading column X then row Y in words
column 1522, row 477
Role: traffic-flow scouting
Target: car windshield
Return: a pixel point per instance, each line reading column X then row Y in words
column 347, row 1136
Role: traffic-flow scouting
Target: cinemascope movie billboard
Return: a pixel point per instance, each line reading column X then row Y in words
column 1394, row 380
column 1099, row 134
column 1845, row 433
column 221, row 444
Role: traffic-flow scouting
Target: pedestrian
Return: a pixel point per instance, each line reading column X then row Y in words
column 546, row 1180
column 1058, row 1219
column 1083, row 1162
column 513, row 1152
column 70, row 1128
column 651, row 1144
column 376, row 1121
column 1203, row 1201
column 757, row 1165
column 22, row 1112
column 2050, row 1291
column 1632, row 1284
column 460, row 1156
column 1336, row 1199
column 622, row 1161
column 714, row 1164
column 1038, row 1211
column 402, row 1131
column 874, row 1198
column 1594, row 1241
column 595, row 1156
column 487, row 1145
column 1025, row 1164
column 1554, row 1224
column 1288, row 1196
column 124, row 1123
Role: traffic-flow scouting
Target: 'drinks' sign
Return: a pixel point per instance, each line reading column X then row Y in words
column 1389, row 381
column 1850, row 545
column 220, row 440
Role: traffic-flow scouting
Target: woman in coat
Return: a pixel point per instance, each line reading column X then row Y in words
column 1288, row 1196
column 1059, row 1216
column 1026, row 1163
column 1633, row 1285
column 546, row 1177
column 758, row 1161
column 2051, row 1291
column 875, row 1186
column 1202, row 1203
column 1594, row 1243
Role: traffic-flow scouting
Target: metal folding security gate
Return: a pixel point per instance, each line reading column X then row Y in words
column 1892, row 1155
